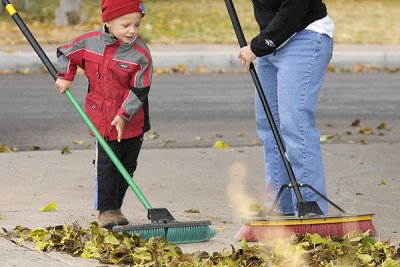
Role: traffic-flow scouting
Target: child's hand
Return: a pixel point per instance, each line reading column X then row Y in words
column 63, row 85
column 119, row 123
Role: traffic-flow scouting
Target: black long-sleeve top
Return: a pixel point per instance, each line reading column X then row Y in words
column 280, row 19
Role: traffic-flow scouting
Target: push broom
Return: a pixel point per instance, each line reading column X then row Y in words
column 310, row 218
column 162, row 222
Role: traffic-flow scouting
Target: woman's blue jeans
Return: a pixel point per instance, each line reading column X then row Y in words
column 291, row 78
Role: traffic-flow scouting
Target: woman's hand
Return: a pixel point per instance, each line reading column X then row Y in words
column 62, row 85
column 246, row 56
column 119, row 123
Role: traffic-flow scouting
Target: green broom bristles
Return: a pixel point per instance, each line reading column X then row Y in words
column 175, row 232
column 190, row 234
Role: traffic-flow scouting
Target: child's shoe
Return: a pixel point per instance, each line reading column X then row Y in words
column 120, row 218
column 108, row 219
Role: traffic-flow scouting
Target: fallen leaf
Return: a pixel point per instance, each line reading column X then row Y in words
column 382, row 182
column 35, row 147
column 1, row 216
column 152, row 135
column 198, row 138
column 255, row 207
column 325, row 137
column 356, row 123
column 26, row 71
column 79, row 142
column 201, row 69
column 49, row 207
column 365, row 130
column 192, row 211
column 167, row 142
column 255, row 142
column 8, row 71
column 362, row 142
column 331, row 68
column 65, row 150
column 219, row 144
column 5, row 149
column 181, row 68
column 358, row 68
column 381, row 126
column 220, row 228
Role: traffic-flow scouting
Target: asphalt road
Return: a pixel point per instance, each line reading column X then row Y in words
column 198, row 109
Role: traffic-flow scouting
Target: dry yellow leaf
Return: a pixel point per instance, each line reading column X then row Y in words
column 5, row 149
column 201, row 69
column 363, row 142
column 26, row 71
column 152, row 136
column 325, row 137
column 381, row 126
column 65, row 150
column 192, row 210
column 219, row 144
column 49, row 207
column 79, row 142
column 365, row 130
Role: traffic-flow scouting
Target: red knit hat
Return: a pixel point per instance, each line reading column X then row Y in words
column 111, row 9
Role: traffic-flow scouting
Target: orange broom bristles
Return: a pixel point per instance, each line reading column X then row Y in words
column 255, row 233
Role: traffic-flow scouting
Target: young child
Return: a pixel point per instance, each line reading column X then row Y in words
column 118, row 67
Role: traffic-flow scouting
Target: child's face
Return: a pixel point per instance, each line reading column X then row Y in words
column 126, row 27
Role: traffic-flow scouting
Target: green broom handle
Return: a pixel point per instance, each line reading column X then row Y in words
column 50, row 67
column 242, row 42
column 108, row 150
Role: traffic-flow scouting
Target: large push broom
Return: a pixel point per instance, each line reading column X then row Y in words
column 310, row 218
column 162, row 222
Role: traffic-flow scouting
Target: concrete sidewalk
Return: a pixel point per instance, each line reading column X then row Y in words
column 361, row 178
column 211, row 56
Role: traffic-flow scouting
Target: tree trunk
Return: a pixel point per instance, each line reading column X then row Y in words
column 68, row 12
column 27, row 5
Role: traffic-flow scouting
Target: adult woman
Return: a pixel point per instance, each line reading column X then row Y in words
column 293, row 50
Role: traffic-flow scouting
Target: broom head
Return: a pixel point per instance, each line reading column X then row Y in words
column 175, row 232
column 261, row 228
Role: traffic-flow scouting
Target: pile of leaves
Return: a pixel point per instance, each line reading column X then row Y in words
column 354, row 249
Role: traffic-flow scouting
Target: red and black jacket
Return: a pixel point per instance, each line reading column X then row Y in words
column 119, row 77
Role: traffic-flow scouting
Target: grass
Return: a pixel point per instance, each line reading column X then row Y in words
column 206, row 21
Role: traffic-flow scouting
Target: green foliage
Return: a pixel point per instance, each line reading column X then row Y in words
column 354, row 249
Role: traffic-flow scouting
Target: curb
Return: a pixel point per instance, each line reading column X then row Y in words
column 218, row 57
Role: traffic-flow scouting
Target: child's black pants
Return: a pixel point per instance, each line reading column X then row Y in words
column 111, row 185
